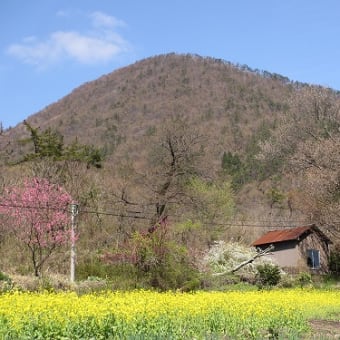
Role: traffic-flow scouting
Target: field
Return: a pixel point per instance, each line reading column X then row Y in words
column 171, row 315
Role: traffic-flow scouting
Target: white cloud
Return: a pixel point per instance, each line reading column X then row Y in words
column 85, row 49
column 100, row 19
column 101, row 44
column 35, row 53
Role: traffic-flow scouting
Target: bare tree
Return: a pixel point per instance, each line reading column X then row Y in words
column 309, row 140
column 159, row 186
column 318, row 163
column 314, row 114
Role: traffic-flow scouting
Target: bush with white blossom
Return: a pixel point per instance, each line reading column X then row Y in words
column 223, row 257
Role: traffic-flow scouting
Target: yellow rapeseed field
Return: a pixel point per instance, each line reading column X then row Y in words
column 172, row 315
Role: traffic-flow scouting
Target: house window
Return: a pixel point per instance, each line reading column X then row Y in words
column 313, row 258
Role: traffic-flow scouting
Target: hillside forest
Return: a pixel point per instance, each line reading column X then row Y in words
column 164, row 158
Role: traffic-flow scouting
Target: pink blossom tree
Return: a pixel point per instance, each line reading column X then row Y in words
column 38, row 215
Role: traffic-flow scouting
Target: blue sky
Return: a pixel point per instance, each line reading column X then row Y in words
column 50, row 47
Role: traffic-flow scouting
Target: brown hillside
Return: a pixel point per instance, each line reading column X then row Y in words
column 227, row 103
column 220, row 150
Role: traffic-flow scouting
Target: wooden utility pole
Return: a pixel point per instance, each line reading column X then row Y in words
column 74, row 213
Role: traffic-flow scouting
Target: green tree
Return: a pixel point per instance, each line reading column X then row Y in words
column 213, row 202
column 48, row 143
column 88, row 154
column 275, row 196
column 231, row 163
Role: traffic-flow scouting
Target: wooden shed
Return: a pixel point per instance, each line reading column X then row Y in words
column 298, row 249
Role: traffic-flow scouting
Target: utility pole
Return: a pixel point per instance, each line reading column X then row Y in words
column 74, row 213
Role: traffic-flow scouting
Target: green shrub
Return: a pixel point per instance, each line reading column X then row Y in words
column 5, row 282
column 287, row 281
column 219, row 282
column 154, row 260
column 268, row 275
column 304, row 279
column 121, row 276
column 4, row 277
column 91, row 267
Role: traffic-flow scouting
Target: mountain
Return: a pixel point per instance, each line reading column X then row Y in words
column 225, row 101
column 236, row 109
column 221, row 150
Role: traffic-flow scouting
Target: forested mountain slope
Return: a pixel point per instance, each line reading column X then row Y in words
column 226, row 102
column 189, row 138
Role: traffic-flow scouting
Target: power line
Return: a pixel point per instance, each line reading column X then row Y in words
column 17, row 206
column 260, row 224
column 32, row 207
column 108, row 213
column 235, row 223
column 243, row 223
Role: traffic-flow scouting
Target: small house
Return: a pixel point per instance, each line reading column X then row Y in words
column 298, row 249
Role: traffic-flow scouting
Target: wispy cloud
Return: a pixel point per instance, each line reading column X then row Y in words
column 100, row 44
column 100, row 19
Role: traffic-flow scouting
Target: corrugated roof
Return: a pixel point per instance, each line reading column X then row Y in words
column 276, row 236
